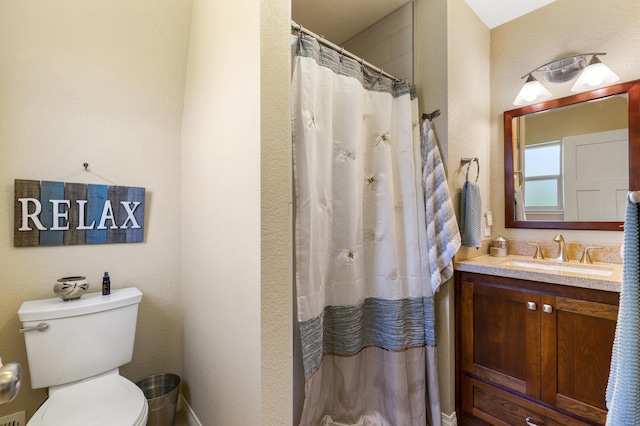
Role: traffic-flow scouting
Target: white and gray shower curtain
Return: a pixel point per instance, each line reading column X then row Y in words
column 365, row 303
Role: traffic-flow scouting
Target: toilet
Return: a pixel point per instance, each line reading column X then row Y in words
column 75, row 349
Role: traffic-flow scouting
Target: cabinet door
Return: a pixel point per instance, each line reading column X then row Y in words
column 500, row 336
column 577, row 341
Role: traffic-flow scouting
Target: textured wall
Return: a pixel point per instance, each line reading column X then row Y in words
column 559, row 29
column 468, row 136
column 452, row 75
column 221, row 214
column 276, row 217
column 102, row 83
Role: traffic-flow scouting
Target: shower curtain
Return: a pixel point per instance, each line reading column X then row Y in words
column 365, row 303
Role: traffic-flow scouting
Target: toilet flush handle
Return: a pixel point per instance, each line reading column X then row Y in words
column 40, row 327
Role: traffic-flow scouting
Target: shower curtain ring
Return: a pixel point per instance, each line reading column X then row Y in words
column 378, row 77
column 299, row 39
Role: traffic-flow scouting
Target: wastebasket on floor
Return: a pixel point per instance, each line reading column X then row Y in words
column 161, row 392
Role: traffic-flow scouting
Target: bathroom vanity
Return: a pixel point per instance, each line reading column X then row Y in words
column 533, row 345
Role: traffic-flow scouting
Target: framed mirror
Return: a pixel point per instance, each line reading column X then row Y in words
column 570, row 162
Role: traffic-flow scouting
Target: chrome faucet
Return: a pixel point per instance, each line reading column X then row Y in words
column 562, row 251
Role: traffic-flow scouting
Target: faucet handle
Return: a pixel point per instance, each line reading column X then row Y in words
column 538, row 254
column 586, row 257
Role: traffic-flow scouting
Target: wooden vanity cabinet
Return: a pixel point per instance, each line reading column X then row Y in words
column 531, row 353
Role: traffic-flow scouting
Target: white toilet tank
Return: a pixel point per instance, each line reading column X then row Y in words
column 84, row 338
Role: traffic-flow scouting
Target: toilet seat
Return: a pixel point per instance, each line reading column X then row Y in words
column 104, row 401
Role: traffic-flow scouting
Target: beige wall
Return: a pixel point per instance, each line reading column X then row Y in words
column 102, row 83
column 559, row 29
column 452, row 74
column 221, row 214
column 430, row 64
column 276, row 217
column 236, row 222
column 588, row 117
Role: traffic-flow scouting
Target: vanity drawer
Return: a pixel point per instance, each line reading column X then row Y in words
column 498, row 407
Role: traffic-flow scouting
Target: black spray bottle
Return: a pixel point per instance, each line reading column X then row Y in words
column 106, row 284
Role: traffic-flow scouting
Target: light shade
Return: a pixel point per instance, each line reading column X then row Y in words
column 531, row 92
column 596, row 74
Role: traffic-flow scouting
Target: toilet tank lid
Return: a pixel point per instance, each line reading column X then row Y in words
column 47, row 309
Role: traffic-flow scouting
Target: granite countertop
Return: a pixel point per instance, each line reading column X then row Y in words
column 509, row 267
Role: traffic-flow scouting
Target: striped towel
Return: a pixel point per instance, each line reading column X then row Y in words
column 470, row 214
column 443, row 236
column 623, row 389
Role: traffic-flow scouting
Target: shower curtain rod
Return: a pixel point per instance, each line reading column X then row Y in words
column 297, row 27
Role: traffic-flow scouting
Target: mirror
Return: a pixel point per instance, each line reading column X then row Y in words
column 570, row 162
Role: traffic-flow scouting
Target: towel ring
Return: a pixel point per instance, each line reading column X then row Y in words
column 468, row 162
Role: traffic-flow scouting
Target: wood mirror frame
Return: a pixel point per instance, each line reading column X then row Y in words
column 632, row 89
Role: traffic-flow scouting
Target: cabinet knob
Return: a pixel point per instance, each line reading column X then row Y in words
column 532, row 306
column 531, row 422
column 547, row 308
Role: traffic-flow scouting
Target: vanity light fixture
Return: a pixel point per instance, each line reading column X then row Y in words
column 592, row 74
column 532, row 91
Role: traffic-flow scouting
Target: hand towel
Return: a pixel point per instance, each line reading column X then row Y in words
column 623, row 389
column 443, row 235
column 470, row 214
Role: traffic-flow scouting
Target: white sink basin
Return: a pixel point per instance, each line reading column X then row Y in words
column 577, row 268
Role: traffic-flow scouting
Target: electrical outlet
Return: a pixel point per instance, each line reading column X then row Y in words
column 15, row 419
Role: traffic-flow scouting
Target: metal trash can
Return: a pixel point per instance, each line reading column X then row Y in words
column 161, row 392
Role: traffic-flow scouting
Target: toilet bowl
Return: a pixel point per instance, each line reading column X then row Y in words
column 104, row 401
column 75, row 349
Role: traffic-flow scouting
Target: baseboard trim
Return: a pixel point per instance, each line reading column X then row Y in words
column 192, row 419
column 449, row 420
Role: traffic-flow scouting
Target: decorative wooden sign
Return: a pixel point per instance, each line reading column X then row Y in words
column 59, row 213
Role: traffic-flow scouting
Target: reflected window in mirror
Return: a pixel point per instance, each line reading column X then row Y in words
column 543, row 181
column 567, row 161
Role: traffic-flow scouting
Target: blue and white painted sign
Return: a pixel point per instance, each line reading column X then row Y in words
column 58, row 213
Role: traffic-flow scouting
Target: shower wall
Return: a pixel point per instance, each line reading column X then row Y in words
column 388, row 43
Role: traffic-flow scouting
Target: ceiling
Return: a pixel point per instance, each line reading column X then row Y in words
column 339, row 20
column 497, row 12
